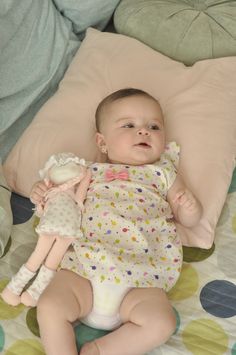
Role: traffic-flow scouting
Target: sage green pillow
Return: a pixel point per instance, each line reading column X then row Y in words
column 185, row 30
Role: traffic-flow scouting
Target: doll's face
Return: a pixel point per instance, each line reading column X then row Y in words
column 61, row 174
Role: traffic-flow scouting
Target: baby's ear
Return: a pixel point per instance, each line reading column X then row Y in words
column 100, row 141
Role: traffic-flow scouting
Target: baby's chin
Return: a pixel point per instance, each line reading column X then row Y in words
column 135, row 162
column 146, row 162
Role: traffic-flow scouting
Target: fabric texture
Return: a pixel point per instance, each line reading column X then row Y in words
column 38, row 40
column 61, row 216
column 43, row 278
column 198, row 104
column 20, row 280
column 130, row 236
column 185, row 30
column 6, row 219
column 204, row 298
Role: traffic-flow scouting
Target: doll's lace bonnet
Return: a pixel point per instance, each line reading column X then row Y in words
column 59, row 160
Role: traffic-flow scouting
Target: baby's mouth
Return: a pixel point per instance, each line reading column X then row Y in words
column 143, row 144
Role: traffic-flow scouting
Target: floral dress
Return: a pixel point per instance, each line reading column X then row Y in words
column 130, row 236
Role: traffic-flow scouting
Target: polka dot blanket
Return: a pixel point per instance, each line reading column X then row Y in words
column 204, row 298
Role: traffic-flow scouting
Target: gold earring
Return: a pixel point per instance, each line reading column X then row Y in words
column 104, row 149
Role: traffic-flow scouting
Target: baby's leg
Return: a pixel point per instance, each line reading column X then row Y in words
column 67, row 298
column 148, row 319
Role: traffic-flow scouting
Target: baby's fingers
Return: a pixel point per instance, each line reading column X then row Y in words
column 35, row 197
column 179, row 196
column 38, row 192
column 189, row 203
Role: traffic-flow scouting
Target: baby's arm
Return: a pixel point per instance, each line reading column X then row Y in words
column 83, row 186
column 186, row 208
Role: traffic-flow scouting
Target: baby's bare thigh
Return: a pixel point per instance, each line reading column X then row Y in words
column 68, row 293
column 145, row 303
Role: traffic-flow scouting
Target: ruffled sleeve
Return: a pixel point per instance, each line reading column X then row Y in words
column 169, row 162
column 172, row 151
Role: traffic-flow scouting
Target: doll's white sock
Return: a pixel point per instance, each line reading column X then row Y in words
column 20, row 280
column 43, row 278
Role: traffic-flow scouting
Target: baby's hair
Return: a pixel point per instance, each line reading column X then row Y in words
column 117, row 95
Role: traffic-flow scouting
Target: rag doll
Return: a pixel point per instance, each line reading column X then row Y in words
column 60, row 212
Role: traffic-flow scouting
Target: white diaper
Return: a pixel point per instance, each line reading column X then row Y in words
column 107, row 299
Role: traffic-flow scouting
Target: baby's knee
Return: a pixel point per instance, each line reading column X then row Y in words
column 46, row 307
column 171, row 323
column 165, row 321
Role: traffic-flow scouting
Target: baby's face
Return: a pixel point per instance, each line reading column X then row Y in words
column 132, row 131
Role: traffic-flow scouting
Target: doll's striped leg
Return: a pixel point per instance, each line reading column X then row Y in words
column 47, row 271
column 42, row 248
column 31, row 295
column 57, row 252
column 11, row 293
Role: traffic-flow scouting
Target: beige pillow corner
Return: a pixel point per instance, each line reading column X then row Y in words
column 198, row 102
column 6, row 218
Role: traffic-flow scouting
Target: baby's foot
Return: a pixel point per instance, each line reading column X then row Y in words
column 27, row 299
column 90, row 349
column 9, row 297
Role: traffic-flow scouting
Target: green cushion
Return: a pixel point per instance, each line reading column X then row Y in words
column 185, row 30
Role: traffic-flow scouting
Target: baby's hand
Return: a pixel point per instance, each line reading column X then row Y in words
column 185, row 199
column 189, row 209
column 37, row 192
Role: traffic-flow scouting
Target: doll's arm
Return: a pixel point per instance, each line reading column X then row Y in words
column 186, row 208
column 83, row 186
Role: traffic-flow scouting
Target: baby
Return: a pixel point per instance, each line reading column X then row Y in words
column 117, row 276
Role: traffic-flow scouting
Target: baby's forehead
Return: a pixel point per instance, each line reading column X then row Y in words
column 131, row 102
column 126, row 107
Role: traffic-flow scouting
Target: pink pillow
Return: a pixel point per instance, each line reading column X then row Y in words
column 199, row 105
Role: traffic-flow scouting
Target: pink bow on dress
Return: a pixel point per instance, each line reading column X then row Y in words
column 120, row 175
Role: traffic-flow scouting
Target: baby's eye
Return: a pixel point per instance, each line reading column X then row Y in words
column 128, row 125
column 154, row 127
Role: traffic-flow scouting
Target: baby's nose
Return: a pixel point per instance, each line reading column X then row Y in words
column 143, row 132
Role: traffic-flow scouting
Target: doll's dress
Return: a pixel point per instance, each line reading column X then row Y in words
column 129, row 235
column 61, row 214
